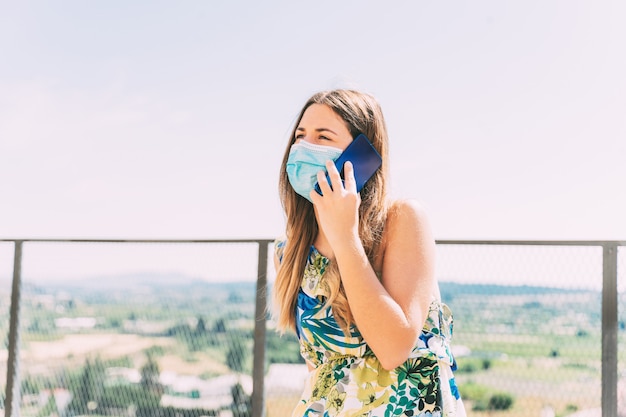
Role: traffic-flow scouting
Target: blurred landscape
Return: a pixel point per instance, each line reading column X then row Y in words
column 134, row 344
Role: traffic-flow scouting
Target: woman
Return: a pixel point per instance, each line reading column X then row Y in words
column 355, row 276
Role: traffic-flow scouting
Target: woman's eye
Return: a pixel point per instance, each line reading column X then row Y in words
column 299, row 136
column 324, row 138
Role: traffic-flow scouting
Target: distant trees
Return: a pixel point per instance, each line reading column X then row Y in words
column 236, row 357
column 470, row 365
column 236, row 354
column 88, row 389
column 282, row 348
column 500, row 401
column 219, row 326
column 200, row 337
column 242, row 402
column 91, row 393
column 484, row 399
column 150, row 376
column 201, row 326
column 151, row 388
column 32, row 385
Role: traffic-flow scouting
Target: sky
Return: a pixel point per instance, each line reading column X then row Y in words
column 153, row 119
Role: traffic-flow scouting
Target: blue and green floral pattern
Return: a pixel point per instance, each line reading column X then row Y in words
column 349, row 381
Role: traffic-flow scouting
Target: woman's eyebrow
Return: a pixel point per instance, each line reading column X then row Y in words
column 319, row 130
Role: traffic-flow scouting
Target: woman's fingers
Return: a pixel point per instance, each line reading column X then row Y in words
column 333, row 174
column 336, row 182
column 325, row 187
column 348, row 174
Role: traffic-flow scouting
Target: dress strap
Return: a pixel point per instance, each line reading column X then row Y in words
column 279, row 248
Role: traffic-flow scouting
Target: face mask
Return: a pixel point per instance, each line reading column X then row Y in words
column 304, row 162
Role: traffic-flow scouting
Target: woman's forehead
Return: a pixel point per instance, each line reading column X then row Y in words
column 321, row 116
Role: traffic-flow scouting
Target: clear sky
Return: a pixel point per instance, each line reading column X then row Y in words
column 153, row 119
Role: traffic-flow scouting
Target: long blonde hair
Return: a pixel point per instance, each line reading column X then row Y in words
column 362, row 114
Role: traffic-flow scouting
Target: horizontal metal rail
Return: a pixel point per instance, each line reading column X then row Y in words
column 438, row 241
column 62, row 240
column 535, row 242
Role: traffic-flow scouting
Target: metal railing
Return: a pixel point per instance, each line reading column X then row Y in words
column 12, row 395
column 609, row 375
column 609, row 312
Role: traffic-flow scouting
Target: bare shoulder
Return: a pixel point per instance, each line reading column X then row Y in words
column 409, row 257
column 407, row 231
column 407, row 216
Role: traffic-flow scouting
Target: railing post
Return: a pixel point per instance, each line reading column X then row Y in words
column 12, row 403
column 609, row 329
column 258, row 367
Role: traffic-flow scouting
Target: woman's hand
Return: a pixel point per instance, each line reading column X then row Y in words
column 338, row 207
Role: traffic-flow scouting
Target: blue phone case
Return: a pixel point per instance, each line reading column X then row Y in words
column 365, row 160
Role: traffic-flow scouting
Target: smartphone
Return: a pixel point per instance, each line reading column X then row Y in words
column 365, row 161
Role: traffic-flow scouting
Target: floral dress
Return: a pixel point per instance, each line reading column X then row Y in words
column 349, row 381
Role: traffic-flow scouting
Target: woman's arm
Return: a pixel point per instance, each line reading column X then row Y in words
column 389, row 313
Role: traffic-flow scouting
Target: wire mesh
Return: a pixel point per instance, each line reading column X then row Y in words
column 527, row 330
column 140, row 329
column 286, row 370
column 527, row 326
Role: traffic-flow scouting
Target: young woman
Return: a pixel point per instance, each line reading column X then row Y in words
column 355, row 276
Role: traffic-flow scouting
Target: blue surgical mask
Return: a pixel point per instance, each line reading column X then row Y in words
column 304, row 162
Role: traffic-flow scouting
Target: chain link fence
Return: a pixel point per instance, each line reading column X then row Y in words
column 528, row 326
column 141, row 329
column 168, row 329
